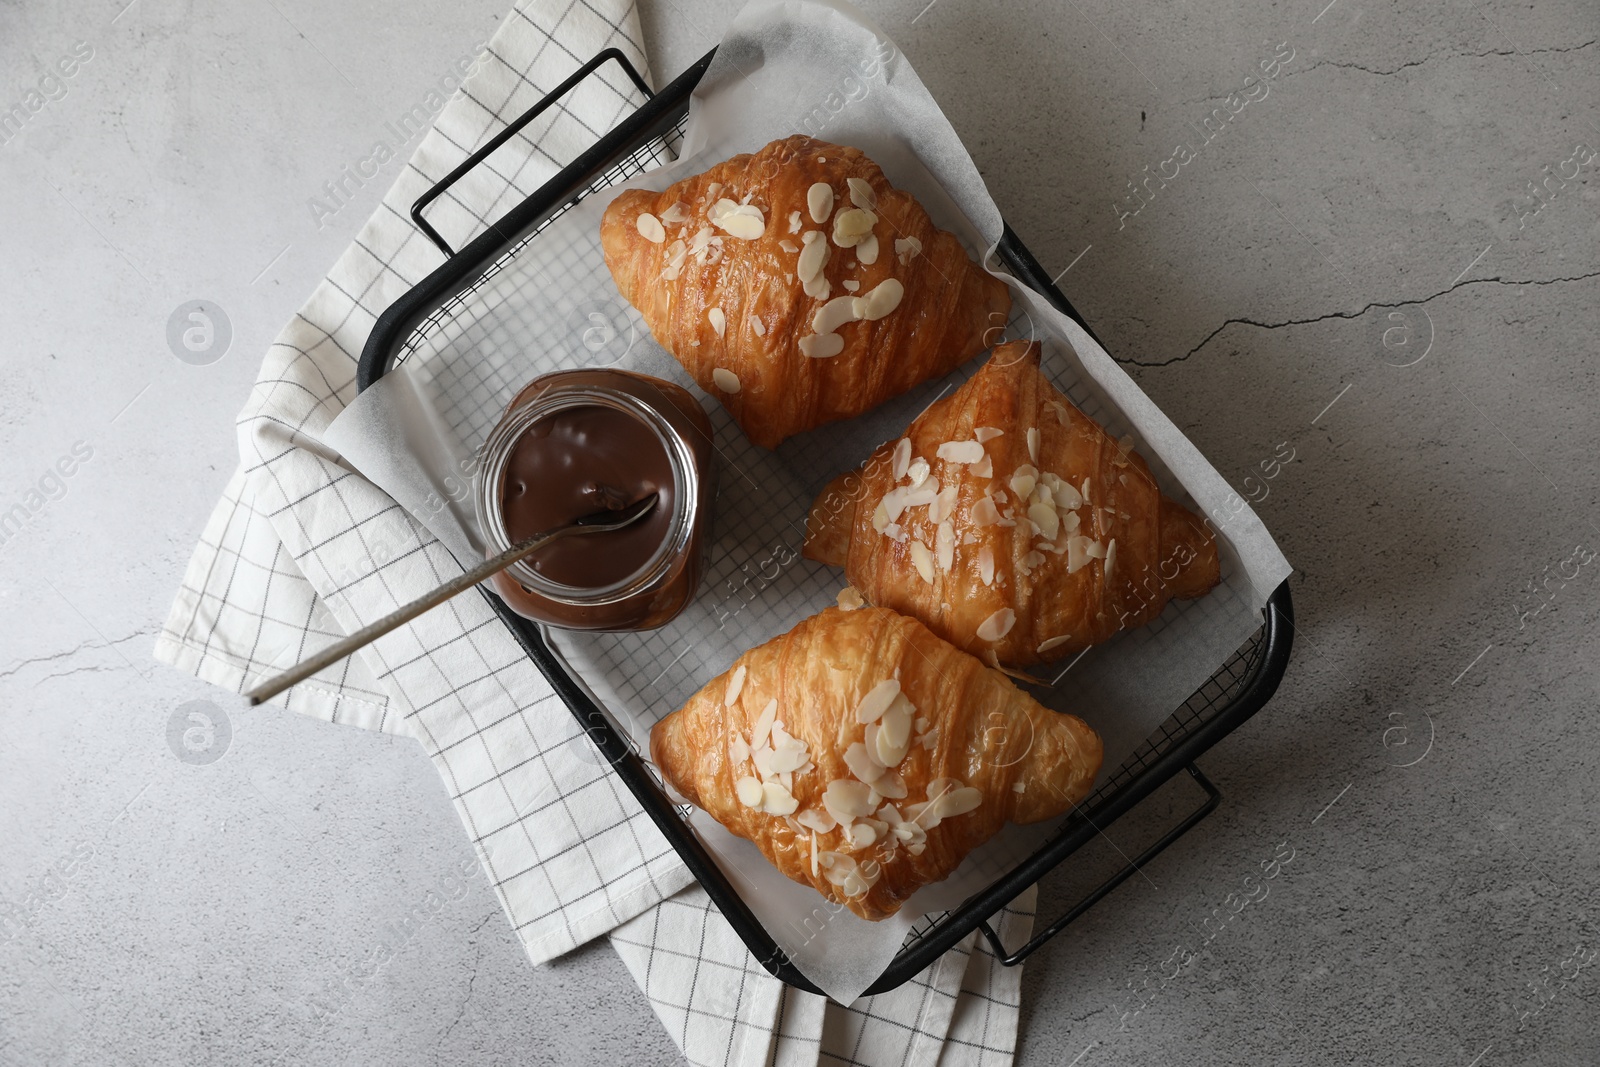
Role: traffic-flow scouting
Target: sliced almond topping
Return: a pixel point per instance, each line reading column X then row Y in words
column 788, row 246
column 819, row 200
column 984, row 468
column 986, row 565
column 1083, row 491
column 743, row 221
column 725, row 380
column 817, row 288
column 758, row 327
column 922, row 495
column 847, row 800
column 821, row 345
column 961, row 451
column 1023, row 480
column 944, row 545
column 1068, row 497
column 890, row 784
column 1033, row 559
column 922, row 559
column 850, row 598
column 820, row 821
column 813, row 257
column 1033, row 443
column 861, row 194
column 763, row 726
column 1044, row 517
column 676, row 215
column 834, row 314
column 735, row 686
column 894, row 501
column 984, row 513
column 957, row 802
column 984, row 434
column 1095, row 550
column 881, row 299
column 851, row 285
column 902, row 458
column 718, row 320
column 905, row 248
column 749, row 792
column 1111, row 557
column 738, row 749
column 877, row 701
column 867, row 250
column 650, row 228
column 713, row 189
column 677, row 251
column 944, row 505
column 851, row 226
column 1054, row 642
column 997, row 625
column 918, row 471
column 702, row 241
column 1077, row 552
column 794, row 222
column 779, row 801
column 880, row 517
column 894, row 731
column 862, row 765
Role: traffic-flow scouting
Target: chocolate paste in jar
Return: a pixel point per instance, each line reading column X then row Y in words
column 576, row 442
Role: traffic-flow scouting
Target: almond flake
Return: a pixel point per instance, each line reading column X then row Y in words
column 718, row 320
column 902, row 459
column 1045, row 518
column 985, row 434
column 744, row 222
column 984, row 468
column 1084, row 491
column 877, row 701
column 813, row 257
column 867, row 250
column 996, row 626
column 788, row 246
column 819, row 821
column 1077, row 552
column 821, row 345
column 944, row 505
column 905, row 248
column 834, row 314
column 880, row 300
column 986, row 565
column 1023, row 480
column 851, row 226
column 738, row 749
column 650, row 228
column 758, row 327
column 850, row 598
column 676, row 215
column 1068, row 497
column 961, row 451
column 880, row 517
column 1054, row 642
column 847, row 800
column 851, row 285
column 677, row 251
column 984, row 513
column 763, row 727
column 725, row 380
column 819, row 200
column 1111, row 557
column 918, row 471
column 1033, row 443
column 794, row 222
column 749, row 792
column 861, row 194
column 944, row 545
column 862, row 765
column 922, row 559
column 779, row 801
column 735, row 686
column 957, row 802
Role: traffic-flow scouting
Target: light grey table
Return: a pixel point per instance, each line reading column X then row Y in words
column 1345, row 264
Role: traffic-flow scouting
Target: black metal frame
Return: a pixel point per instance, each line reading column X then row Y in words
column 1263, row 661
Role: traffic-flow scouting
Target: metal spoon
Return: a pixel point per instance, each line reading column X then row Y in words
column 599, row 522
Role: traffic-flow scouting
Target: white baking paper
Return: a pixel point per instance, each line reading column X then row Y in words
column 822, row 69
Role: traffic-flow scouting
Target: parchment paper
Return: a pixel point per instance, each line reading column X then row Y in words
column 822, row 69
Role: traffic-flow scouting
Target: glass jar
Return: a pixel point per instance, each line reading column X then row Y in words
column 575, row 583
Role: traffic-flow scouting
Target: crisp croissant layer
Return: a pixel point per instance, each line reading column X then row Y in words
column 798, row 286
column 866, row 757
column 1011, row 523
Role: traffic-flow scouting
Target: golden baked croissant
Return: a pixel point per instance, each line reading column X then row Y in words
column 797, row 286
column 866, row 757
column 1011, row 523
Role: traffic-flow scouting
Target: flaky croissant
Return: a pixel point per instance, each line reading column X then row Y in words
column 1011, row 523
column 866, row 757
column 797, row 286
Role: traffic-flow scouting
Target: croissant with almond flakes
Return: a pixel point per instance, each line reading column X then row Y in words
column 866, row 757
column 1011, row 523
column 797, row 286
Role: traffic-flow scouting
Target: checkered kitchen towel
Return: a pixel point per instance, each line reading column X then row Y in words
column 301, row 550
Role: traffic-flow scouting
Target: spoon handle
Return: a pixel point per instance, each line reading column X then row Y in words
column 402, row 615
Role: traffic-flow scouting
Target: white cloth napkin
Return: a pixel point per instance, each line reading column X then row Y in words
column 301, row 550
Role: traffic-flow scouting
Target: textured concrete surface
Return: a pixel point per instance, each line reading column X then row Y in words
column 1352, row 270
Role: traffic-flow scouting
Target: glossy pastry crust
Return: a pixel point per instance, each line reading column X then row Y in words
column 722, row 270
column 980, row 748
column 1033, row 534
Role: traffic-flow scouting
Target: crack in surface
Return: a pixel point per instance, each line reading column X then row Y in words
column 1447, row 55
column 91, row 643
column 1350, row 314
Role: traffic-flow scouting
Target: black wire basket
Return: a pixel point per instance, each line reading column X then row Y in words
column 1237, row 690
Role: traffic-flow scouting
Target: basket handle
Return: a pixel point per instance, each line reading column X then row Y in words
column 1011, row 959
column 511, row 131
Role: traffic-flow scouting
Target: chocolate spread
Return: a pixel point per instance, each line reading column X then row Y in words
column 579, row 461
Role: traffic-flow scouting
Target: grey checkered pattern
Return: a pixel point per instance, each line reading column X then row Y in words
column 299, row 551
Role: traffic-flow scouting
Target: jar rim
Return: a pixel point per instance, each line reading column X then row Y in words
column 502, row 442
